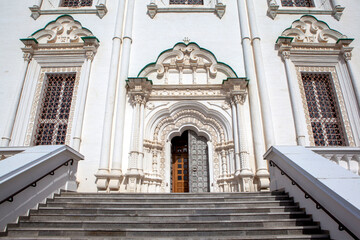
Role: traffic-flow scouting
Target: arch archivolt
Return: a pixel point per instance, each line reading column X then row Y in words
column 175, row 123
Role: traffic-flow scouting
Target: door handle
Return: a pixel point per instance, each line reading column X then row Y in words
column 194, row 169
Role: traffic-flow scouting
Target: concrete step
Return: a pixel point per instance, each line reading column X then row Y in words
column 139, row 211
column 174, row 223
column 267, row 237
column 174, row 195
column 120, row 199
column 175, row 232
column 166, row 217
column 207, row 205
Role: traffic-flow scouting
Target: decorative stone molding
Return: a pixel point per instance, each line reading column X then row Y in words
column 218, row 9
column 332, row 9
column 187, row 58
column 309, row 36
column 38, row 9
column 64, row 36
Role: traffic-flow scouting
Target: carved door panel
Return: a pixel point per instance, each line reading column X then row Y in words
column 198, row 159
column 180, row 169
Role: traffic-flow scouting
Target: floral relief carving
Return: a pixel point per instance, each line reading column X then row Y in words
column 64, row 30
column 310, row 30
column 186, row 58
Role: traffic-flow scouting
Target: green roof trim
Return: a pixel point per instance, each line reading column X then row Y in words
column 90, row 37
column 346, row 39
column 246, row 79
column 65, row 15
column 127, row 80
column 29, row 39
column 284, row 37
column 308, row 15
column 185, row 45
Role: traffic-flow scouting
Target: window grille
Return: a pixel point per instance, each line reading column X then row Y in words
column 297, row 3
column 76, row 3
column 187, row 2
column 323, row 109
column 55, row 109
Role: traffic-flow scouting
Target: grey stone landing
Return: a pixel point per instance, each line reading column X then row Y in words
column 263, row 215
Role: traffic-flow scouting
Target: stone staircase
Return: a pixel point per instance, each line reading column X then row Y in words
column 265, row 215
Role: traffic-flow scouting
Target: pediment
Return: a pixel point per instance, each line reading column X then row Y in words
column 187, row 64
column 308, row 29
column 63, row 30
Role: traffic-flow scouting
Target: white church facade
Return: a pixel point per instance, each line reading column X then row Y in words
column 179, row 95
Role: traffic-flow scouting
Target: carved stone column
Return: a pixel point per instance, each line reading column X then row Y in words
column 356, row 85
column 30, row 44
column 139, row 90
column 91, row 45
column 296, row 103
column 245, row 175
column 103, row 172
column 236, row 137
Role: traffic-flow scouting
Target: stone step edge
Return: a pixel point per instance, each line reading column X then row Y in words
column 171, row 203
column 316, row 227
column 302, row 212
column 308, row 219
column 258, row 237
column 167, row 209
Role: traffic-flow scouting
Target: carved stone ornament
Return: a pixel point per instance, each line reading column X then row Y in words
column 63, row 30
column 310, row 30
column 65, row 35
column 186, row 58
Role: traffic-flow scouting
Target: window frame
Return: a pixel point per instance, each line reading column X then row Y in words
column 164, row 6
column 320, row 8
column 42, row 7
column 336, row 88
column 38, row 100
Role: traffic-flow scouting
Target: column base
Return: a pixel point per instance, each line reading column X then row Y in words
column 102, row 180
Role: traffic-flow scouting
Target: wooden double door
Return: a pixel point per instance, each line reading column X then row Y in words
column 190, row 165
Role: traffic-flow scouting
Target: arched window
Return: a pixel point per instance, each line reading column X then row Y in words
column 58, row 61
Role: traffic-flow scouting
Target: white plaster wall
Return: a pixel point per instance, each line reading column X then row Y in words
column 150, row 38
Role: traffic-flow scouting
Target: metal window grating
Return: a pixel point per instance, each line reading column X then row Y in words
column 187, row 2
column 297, row 3
column 323, row 109
column 76, row 3
column 55, row 109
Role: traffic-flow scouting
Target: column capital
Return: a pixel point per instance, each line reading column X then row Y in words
column 285, row 54
column 27, row 56
column 347, row 56
column 239, row 98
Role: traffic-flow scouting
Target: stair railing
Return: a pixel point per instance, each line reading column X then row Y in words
column 34, row 174
column 323, row 182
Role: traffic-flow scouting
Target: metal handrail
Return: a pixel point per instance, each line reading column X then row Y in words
column 33, row 184
column 342, row 227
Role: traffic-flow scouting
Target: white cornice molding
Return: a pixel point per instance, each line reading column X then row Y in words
column 218, row 9
column 187, row 56
column 37, row 10
column 309, row 36
column 274, row 9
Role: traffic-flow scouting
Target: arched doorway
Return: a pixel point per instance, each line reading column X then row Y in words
column 190, row 165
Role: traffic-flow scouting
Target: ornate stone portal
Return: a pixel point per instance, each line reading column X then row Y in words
column 189, row 90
